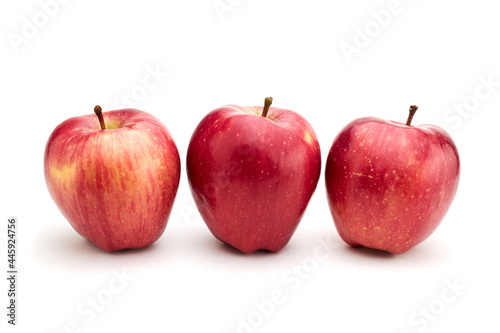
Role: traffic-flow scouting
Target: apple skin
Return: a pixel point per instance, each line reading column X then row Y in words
column 116, row 187
column 251, row 176
column 389, row 185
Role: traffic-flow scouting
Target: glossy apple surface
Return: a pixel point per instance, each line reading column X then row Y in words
column 389, row 185
column 252, row 176
column 116, row 186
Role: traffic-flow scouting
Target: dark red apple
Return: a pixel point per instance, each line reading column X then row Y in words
column 114, row 177
column 390, row 184
column 252, row 171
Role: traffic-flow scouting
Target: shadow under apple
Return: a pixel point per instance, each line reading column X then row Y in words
column 63, row 249
column 433, row 252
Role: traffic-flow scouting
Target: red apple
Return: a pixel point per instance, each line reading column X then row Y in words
column 114, row 177
column 252, row 171
column 390, row 184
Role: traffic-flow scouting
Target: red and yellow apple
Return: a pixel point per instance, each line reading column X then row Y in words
column 389, row 184
column 252, row 172
column 114, row 177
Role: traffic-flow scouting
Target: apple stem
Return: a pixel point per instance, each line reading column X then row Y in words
column 98, row 112
column 413, row 109
column 267, row 104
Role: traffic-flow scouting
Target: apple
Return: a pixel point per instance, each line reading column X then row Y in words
column 252, row 172
column 389, row 184
column 114, row 177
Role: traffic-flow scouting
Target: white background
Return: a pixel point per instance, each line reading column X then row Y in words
column 437, row 55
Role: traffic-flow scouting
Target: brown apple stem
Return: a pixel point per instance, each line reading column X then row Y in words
column 267, row 104
column 98, row 112
column 413, row 109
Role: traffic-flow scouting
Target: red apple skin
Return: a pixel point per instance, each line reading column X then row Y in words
column 116, row 187
column 251, row 176
column 390, row 185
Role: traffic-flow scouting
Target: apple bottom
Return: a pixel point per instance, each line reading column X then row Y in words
column 245, row 235
column 392, row 218
column 113, row 237
column 120, row 225
column 385, row 236
column 261, row 216
column 276, row 241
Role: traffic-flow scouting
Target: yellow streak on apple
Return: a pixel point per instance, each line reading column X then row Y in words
column 64, row 173
column 308, row 137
